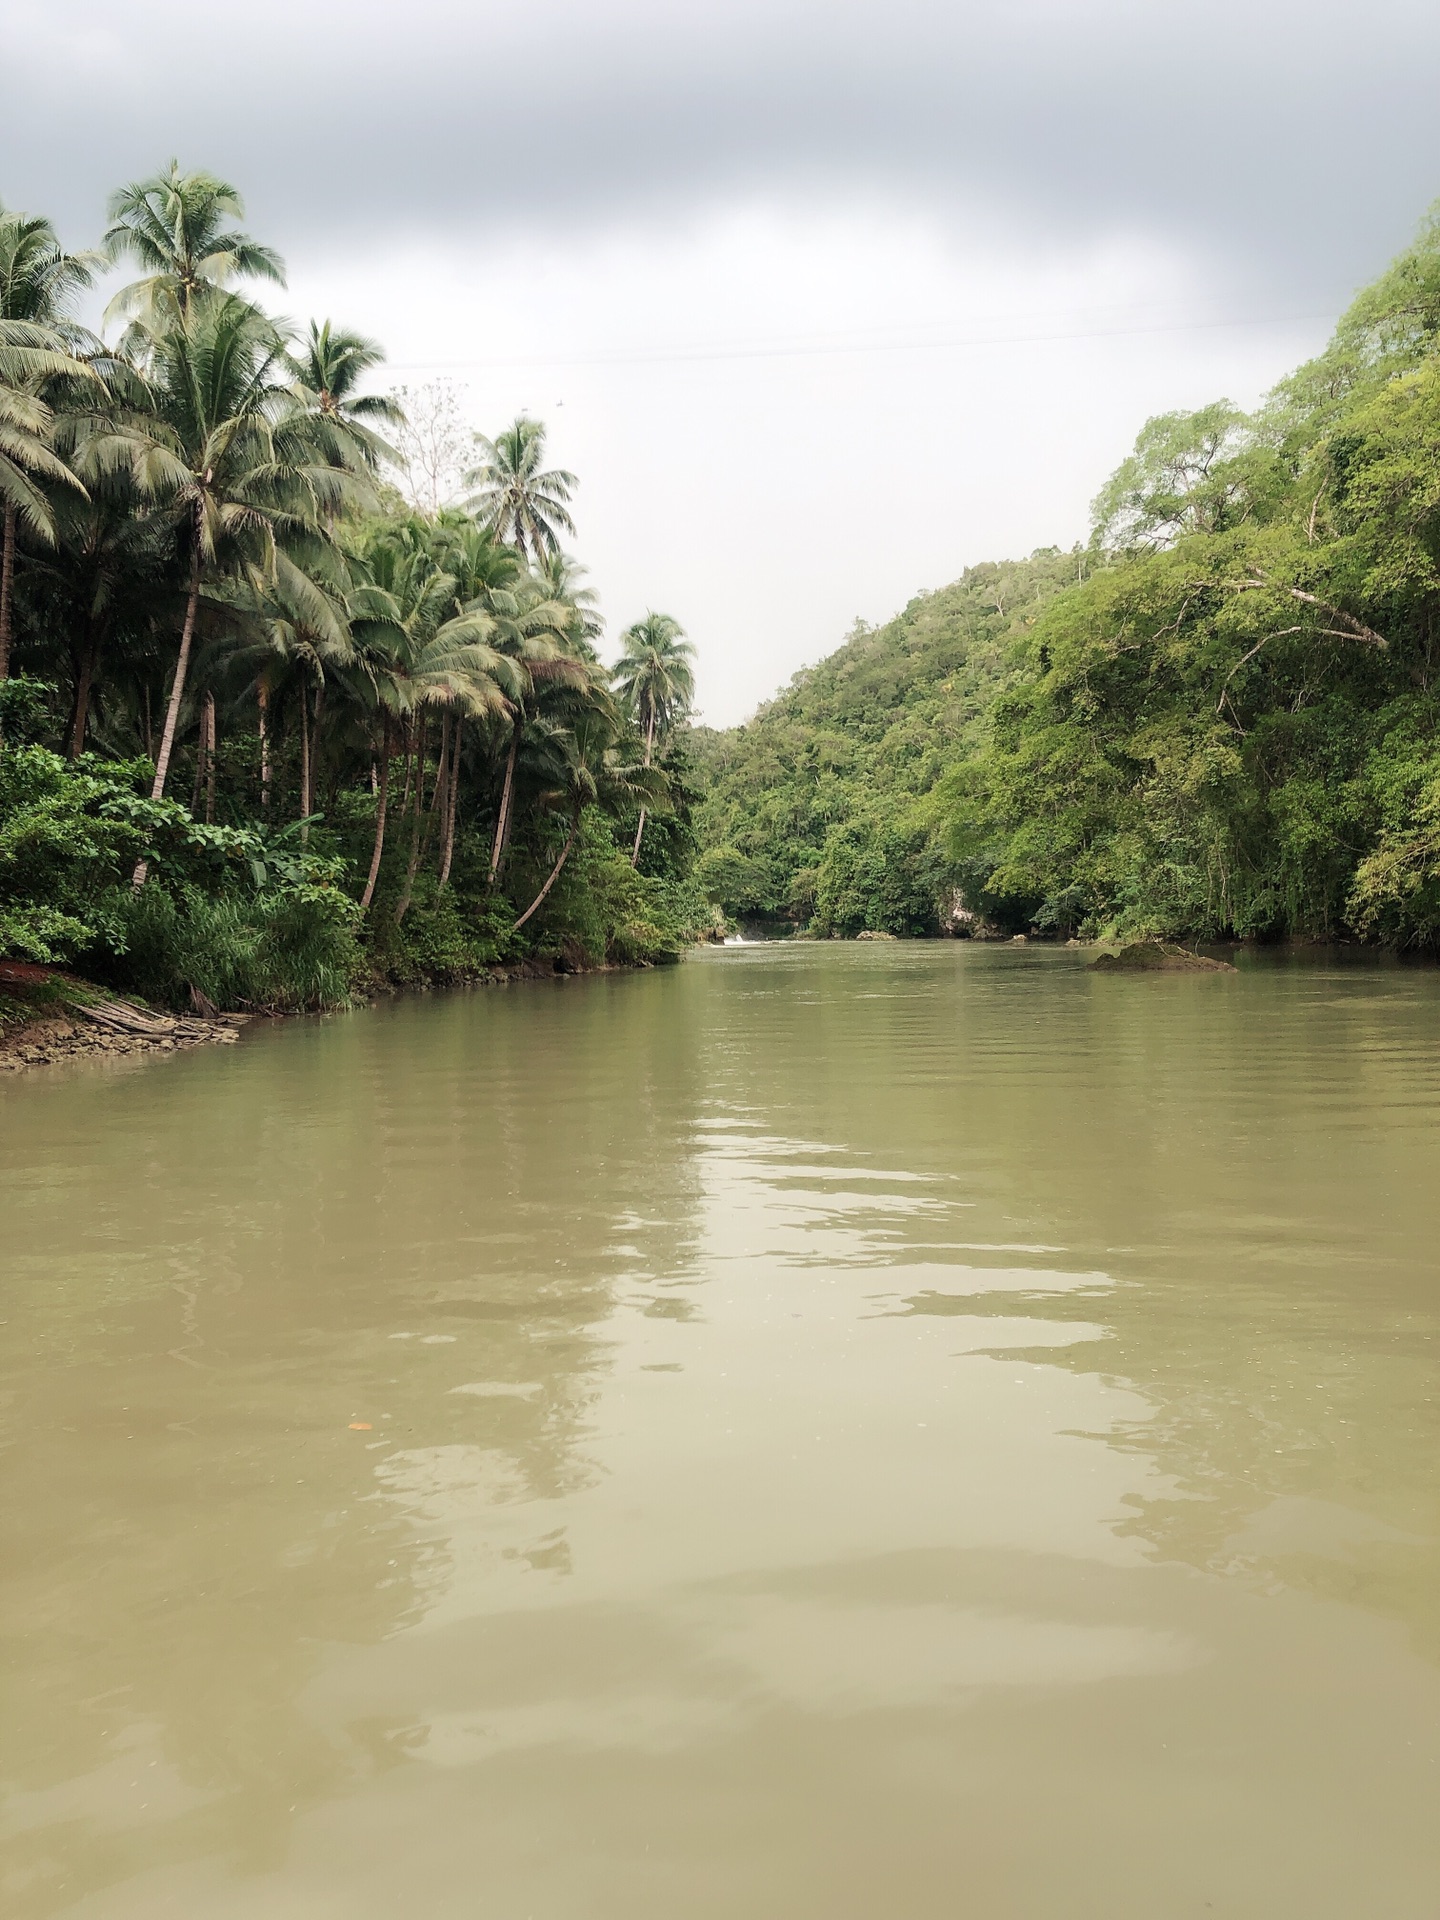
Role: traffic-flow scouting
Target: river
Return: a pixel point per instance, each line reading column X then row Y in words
column 818, row 1433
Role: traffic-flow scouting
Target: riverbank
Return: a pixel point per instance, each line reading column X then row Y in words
column 47, row 1015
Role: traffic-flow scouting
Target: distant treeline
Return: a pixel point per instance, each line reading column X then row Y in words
column 268, row 730
column 1218, row 719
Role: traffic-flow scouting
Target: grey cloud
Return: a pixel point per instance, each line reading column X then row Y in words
column 1291, row 146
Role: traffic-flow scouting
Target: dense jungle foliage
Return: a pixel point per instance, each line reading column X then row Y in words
column 269, row 730
column 1228, row 727
column 823, row 810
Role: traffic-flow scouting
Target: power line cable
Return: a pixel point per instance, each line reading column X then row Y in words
column 623, row 356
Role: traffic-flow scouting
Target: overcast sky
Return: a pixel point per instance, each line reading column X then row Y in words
column 823, row 299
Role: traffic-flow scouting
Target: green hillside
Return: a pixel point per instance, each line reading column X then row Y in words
column 822, row 809
column 1228, row 728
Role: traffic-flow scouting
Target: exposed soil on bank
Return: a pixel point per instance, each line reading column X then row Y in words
column 47, row 1016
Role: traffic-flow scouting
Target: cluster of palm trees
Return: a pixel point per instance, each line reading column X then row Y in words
column 205, row 548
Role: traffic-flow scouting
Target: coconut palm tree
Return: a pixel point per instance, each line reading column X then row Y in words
column 174, row 226
column 486, row 573
column 328, row 368
column 420, row 653
column 237, row 478
column 112, row 562
column 655, row 677
column 562, row 578
column 514, row 497
column 592, row 774
column 38, row 279
column 37, row 282
column 534, row 632
column 290, row 616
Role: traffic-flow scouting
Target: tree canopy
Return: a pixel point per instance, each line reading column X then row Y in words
column 267, row 729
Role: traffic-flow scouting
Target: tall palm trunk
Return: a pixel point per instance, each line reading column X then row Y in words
column 86, row 670
column 436, row 811
column 177, row 694
column 304, row 764
column 317, row 761
column 262, row 701
column 203, row 752
column 452, row 801
column 649, row 750
column 177, row 685
column 210, row 737
column 502, row 825
column 554, row 874
column 409, row 737
column 304, row 751
column 7, row 584
column 418, row 819
column 382, row 797
column 440, row 803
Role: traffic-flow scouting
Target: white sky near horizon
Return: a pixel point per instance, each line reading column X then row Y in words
column 822, row 302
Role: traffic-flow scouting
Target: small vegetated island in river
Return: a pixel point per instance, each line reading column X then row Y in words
column 271, row 734
column 1217, row 720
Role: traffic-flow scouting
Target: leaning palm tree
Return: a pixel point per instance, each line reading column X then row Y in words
column 174, row 225
column 29, row 357
column 328, row 367
column 655, row 677
column 37, row 281
column 592, row 775
column 535, row 633
column 514, row 497
column 237, row 480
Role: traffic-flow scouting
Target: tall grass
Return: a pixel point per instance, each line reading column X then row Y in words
column 267, row 951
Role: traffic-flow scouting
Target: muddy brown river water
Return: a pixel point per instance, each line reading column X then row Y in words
column 821, row 1433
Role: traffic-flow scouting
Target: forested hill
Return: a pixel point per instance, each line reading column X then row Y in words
column 823, row 806
column 1229, row 727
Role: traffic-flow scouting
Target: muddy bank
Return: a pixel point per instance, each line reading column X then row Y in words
column 47, row 1016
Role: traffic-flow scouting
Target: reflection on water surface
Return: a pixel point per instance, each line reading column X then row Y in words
column 820, row 1431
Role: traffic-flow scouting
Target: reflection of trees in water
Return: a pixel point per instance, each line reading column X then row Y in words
column 226, row 1284
column 1252, row 1159
column 1302, row 1447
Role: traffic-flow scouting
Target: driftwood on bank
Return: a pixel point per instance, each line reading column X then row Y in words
column 119, row 1016
column 67, row 1017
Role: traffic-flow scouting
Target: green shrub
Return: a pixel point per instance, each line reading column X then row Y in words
column 278, row 950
